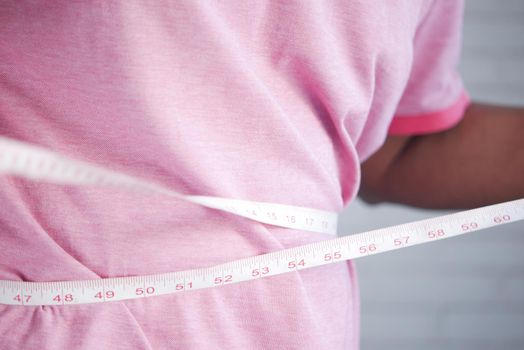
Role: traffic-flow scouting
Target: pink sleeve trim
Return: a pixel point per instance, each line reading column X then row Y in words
column 430, row 122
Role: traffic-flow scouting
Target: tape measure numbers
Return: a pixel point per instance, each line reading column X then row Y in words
column 35, row 163
column 31, row 162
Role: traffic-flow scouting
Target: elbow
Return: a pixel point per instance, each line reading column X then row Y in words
column 370, row 191
column 375, row 171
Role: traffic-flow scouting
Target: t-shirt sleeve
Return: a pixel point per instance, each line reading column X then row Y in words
column 434, row 98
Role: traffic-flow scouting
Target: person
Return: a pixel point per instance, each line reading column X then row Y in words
column 270, row 101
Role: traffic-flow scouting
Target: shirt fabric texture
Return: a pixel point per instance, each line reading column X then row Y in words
column 271, row 101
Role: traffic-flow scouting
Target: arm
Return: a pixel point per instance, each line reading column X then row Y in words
column 478, row 162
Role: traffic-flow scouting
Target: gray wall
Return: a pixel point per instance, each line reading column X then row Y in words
column 465, row 292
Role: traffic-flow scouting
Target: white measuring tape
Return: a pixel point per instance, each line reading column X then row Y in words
column 21, row 159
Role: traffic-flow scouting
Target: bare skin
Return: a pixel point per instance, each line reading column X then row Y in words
column 478, row 162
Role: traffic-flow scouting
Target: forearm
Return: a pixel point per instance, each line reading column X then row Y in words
column 478, row 162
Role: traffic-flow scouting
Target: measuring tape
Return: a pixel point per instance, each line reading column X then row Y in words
column 31, row 162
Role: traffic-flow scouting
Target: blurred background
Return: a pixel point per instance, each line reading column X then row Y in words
column 465, row 292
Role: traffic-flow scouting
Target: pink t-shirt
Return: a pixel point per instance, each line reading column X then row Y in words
column 271, row 101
